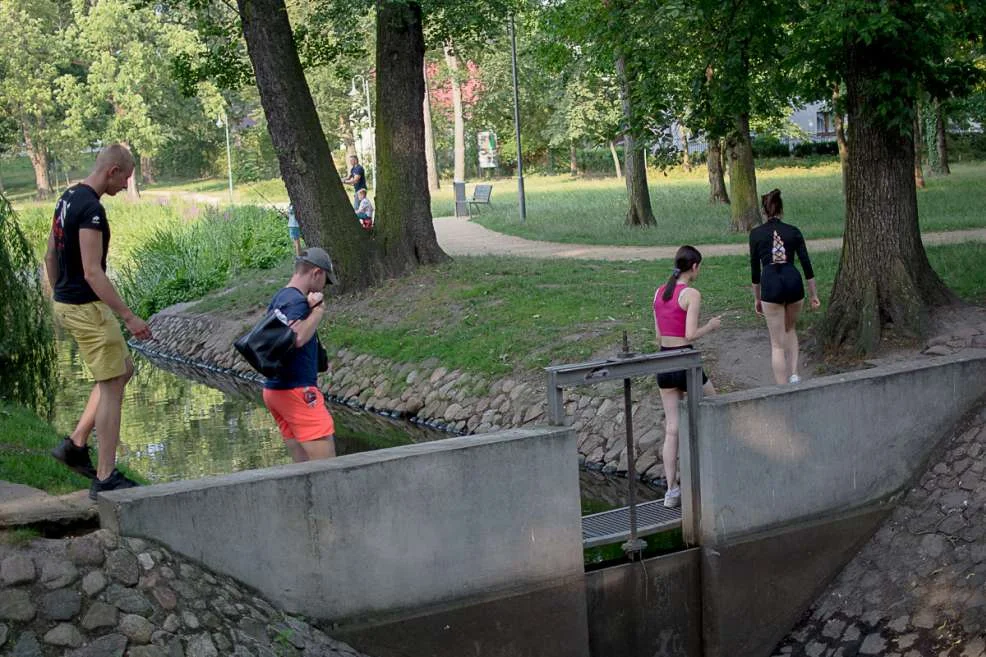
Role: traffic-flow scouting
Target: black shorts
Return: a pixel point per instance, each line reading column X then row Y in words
column 677, row 380
column 781, row 284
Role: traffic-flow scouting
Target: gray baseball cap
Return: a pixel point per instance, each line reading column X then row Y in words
column 317, row 256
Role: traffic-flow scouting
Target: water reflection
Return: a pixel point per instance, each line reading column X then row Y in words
column 184, row 422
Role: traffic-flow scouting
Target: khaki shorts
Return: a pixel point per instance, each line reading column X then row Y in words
column 97, row 332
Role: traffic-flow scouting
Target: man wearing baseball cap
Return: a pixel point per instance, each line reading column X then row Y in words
column 293, row 396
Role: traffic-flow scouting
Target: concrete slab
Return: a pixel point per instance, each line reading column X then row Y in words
column 38, row 507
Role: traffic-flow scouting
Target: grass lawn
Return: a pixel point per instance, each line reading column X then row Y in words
column 25, row 443
column 591, row 211
column 501, row 315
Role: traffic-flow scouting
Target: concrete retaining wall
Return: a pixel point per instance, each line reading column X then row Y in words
column 771, row 456
column 380, row 533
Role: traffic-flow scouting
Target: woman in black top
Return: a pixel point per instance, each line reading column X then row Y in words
column 777, row 286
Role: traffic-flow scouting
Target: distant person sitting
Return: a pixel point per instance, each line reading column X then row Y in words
column 356, row 178
column 294, row 230
column 364, row 210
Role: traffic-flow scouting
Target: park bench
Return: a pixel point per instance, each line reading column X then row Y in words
column 480, row 196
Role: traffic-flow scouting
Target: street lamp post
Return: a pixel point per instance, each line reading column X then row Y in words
column 520, row 156
column 224, row 122
column 369, row 118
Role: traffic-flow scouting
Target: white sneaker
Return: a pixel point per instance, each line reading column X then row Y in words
column 672, row 498
column 794, row 378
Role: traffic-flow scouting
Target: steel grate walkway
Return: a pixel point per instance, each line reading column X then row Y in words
column 613, row 526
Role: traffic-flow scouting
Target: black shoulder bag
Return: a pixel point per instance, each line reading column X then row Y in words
column 269, row 344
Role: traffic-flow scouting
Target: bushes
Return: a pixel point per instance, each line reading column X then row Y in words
column 967, row 146
column 181, row 263
column 770, row 147
column 810, row 148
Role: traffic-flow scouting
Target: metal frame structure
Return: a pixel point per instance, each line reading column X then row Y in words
column 626, row 366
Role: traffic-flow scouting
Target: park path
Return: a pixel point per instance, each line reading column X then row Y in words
column 459, row 236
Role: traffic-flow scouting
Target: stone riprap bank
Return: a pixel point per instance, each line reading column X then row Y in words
column 429, row 393
column 102, row 596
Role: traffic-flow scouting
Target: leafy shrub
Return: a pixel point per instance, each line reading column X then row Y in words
column 770, row 147
column 182, row 263
column 809, row 148
column 967, row 146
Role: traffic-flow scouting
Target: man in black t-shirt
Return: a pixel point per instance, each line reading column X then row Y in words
column 356, row 178
column 87, row 305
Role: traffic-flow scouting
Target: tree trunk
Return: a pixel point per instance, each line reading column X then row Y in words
column 404, row 202
column 321, row 203
column 918, row 171
column 639, row 212
column 884, row 277
column 133, row 191
column 745, row 205
column 460, row 127
column 430, row 159
column 38, row 154
column 147, row 176
column 941, row 140
column 686, row 162
column 717, row 183
column 573, row 159
column 616, row 159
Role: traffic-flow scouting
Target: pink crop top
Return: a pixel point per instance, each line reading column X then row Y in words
column 668, row 315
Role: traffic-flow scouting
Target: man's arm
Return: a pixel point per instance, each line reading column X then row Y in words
column 91, row 246
column 51, row 262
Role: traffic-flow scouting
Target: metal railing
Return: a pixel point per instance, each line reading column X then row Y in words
column 627, row 365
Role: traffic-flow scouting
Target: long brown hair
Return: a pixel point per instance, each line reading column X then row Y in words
column 686, row 258
column 772, row 204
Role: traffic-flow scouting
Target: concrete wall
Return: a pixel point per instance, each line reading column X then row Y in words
column 778, row 455
column 381, row 533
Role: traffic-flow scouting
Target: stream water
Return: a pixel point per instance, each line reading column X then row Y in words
column 186, row 422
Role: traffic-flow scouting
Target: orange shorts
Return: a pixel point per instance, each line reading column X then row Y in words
column 300, row 413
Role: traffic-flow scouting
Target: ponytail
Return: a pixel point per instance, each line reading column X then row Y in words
column 684, row 260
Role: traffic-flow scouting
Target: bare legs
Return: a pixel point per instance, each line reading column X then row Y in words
column 311, row 450
column 108, row 398
column 670, row 399
column 781, row 322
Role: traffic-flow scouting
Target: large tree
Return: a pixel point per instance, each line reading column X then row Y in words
column 32, row 57
column 887, row 53
column 402, row 190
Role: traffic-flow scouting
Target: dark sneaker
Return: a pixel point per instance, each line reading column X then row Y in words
column 76, row 458
column 115, row 481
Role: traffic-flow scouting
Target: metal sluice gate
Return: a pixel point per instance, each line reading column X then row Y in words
column 634, row 520
column 613, row 526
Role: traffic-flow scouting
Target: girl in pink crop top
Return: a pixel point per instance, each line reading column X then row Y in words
column 676, row 311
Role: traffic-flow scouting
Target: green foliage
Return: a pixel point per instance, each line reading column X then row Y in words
column 967, row 146
column 27, row 356
column 25, row 444
column 180, row 263
column 770, row 147
column 810, row 148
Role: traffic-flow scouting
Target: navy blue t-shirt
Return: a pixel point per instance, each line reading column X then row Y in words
column 302, row 368
column 358, row 170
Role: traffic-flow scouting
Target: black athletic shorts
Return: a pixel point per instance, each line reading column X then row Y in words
column 679, row 379
column 781, row 284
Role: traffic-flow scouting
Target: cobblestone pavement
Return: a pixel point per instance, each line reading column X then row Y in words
column 917, row 588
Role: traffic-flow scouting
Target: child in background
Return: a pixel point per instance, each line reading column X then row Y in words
column 294, row 230
column 364, row 211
